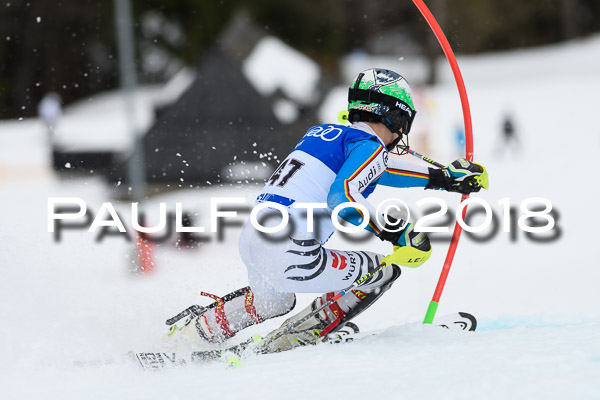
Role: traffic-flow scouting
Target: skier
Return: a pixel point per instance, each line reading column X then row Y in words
column 331, row 165
column 510, row 139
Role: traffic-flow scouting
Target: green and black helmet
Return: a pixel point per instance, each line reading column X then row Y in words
column 381, row 95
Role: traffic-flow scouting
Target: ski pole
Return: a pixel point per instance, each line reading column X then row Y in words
column 339, row 295
column 196, row 309
column 421, row 157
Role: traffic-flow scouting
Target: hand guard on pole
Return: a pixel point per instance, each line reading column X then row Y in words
column 460, row 176
column 411, row 249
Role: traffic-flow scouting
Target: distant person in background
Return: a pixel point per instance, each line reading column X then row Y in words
column 510, row 141
column 50, row 112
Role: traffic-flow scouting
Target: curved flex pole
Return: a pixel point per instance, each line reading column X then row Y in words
column 439, row 34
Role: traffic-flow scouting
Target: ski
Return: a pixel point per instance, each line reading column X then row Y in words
column 253, row 346
column 230, row 355
column 460, row 321
column 157, row 361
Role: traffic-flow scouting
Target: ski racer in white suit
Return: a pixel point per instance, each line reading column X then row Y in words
column 331, row 165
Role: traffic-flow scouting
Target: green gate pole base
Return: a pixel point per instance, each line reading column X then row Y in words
column 433, row 305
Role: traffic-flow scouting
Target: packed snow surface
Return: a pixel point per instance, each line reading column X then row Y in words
column 74, row 299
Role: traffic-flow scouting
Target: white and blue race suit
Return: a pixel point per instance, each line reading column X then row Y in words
column 331, row 164
column 335, row 164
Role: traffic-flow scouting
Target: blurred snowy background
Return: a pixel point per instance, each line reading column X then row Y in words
column 215, row 113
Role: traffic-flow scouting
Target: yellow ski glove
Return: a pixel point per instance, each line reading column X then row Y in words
column 411, row 249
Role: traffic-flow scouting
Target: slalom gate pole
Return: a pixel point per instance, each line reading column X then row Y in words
column 144, row 255
column 439, row 34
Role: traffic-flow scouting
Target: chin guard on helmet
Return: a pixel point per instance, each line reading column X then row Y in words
column 399, row 146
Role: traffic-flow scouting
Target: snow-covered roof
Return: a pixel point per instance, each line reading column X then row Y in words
column 274, row 65
column 101, row 124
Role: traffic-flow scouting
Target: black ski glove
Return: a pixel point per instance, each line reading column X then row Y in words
column 460, row 176
column 406, row 236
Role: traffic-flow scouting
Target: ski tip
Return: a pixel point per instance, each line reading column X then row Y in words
column 473, row 325
column 460, row 321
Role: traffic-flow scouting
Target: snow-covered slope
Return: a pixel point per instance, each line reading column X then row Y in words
column 536, row 302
